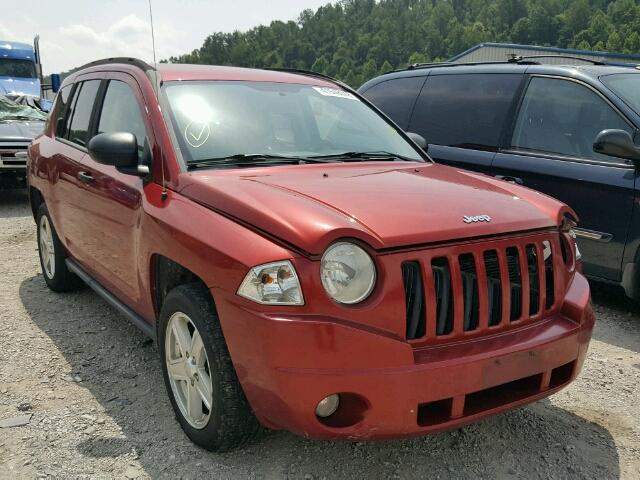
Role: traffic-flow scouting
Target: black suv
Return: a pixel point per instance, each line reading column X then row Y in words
column 568, row 131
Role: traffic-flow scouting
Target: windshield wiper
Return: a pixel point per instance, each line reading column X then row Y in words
column 252, row 159
column 355, row 156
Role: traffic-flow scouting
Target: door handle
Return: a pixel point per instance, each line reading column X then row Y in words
column 85, row 177
column 508, row 178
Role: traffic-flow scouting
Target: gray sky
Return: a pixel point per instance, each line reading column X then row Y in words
column 73, row 32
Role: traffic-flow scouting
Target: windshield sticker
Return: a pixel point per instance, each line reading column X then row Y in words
column 197, row 133
column 334, row 92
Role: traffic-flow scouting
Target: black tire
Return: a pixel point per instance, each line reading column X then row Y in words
column 59, row 278
column 231, row 422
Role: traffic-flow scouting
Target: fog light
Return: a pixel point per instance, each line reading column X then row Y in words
column 328, row 406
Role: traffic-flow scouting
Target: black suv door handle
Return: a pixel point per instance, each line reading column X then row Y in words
column 508, row 178
column 85, row 177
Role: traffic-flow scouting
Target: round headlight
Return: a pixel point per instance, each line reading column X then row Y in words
column 348, row 274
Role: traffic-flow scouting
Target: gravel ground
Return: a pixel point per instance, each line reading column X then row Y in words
column 91, row 388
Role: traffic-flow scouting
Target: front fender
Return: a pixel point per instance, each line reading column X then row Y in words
column 213, row 247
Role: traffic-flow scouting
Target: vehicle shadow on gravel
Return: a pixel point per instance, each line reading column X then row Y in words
column 119, row 367
column 625, row 312
column 13, row 203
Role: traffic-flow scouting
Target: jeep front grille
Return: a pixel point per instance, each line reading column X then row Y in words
column 450, row 292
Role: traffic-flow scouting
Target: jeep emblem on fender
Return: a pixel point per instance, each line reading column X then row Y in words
column 476, row 218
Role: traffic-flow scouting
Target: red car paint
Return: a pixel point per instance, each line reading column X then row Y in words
column 219, row 224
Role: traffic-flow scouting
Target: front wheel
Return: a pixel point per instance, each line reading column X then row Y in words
column 202, row 384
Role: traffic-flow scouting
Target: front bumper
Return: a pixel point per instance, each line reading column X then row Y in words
column 287, row 364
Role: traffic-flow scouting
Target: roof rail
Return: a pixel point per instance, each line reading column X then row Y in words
column 521, row 58
column 136, row 62
column 513, row 59
column 417, row 66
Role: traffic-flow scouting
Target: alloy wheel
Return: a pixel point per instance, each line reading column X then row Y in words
column 188, row 370
column 47, row 250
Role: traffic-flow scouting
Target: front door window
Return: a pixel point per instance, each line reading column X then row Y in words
column 564, row 117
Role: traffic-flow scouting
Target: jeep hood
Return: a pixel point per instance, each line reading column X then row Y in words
column 387, row 205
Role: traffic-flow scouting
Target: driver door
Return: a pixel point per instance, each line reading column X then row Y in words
column 114, row 200
column 551, row 150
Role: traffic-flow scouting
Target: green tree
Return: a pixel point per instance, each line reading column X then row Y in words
column 321, row 65
column 358, row 39
column 417, row 57
column 370, row 69
column 386, row 67
column 615, row 42
column 583, row 45
column 352, row 79
column 577, row 16
column 632, row 43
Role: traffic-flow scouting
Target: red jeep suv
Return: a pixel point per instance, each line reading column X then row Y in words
column 301, row 261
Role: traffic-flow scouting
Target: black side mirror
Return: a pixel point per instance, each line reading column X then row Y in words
column 418, row 140
column 119, row 149
column 617, row 143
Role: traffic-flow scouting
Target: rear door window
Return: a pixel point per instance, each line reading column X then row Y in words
column 564, row 117
column 396, row 97
column 121, row 113
column 81, row 116
column 465, row 110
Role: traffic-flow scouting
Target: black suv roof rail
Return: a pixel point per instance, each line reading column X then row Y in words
column 519, row 58
column 417, row 66
column 514, row 59
column 136, row 62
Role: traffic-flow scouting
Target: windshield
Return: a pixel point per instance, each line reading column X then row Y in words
column 220, row 119
column 10, row 110
column 11, row 67
column 626, row 86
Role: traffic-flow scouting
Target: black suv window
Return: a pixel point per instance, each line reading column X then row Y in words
column 563, row 117
column 79, row 129
column 464, row 110
column 396, row 97
column 120, row 113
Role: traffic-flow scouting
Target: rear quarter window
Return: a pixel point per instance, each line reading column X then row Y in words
column 467, row 111
column 396, row 97
column 79, row 128
column 59, row 110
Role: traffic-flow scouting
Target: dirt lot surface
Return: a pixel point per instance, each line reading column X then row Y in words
column 91, row 389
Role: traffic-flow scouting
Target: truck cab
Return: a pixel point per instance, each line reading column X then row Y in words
column 18, row 70
column 21, row 74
